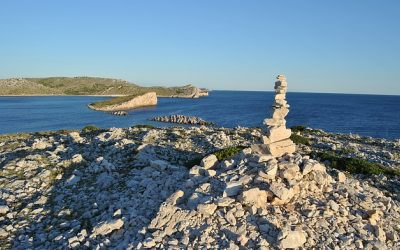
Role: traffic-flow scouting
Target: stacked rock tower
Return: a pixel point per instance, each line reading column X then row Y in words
column 276, row 139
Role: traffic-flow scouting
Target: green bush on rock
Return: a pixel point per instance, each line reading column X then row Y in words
column 298, row 139
column 298, row 128
column 355, row 165
column 221, row 154
column 148, row 126
column 90, row 128
column 228, row 152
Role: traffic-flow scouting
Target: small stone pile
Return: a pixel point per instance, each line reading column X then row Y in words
column 277, row 140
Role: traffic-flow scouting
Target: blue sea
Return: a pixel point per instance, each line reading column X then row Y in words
column 368, row 115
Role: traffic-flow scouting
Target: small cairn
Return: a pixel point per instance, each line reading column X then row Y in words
column 276, row 139
column 181, row 119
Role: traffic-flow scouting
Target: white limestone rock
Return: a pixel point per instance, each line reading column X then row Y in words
column 206, row 209
column 107, row 227
column 209, row 161
column 232, row 188
column 255, row 197
column 311, row 165
column 292, row 239
column 280, row 190
column 4, row 209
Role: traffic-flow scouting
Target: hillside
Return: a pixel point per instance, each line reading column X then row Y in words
column 89, row 86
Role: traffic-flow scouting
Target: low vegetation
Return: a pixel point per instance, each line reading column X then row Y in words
column 148, row 126
column 113, row 101
column 18, row 136
column 298, row 139
column 90, row 128
column 354, row 165
column 221, row 155
column 228, row 152
column 298, row 128
column 304, row 130
column 83, row 86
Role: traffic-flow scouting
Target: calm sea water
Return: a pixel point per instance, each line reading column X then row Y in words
column 370, row 115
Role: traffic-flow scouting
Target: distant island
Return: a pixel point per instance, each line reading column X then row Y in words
column 90, row 86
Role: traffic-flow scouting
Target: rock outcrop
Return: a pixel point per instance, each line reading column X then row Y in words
column 148, row 99
column 276, row 140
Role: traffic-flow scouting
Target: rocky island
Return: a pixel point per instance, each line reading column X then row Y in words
column 199, row 187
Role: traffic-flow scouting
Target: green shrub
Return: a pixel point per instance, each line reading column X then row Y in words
column 298, row 139
column 228, row 152
column 144, row 126
column 298, row 128
column 355, row 165
column 90, row 128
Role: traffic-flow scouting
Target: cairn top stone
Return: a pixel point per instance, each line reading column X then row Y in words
column 281, row 77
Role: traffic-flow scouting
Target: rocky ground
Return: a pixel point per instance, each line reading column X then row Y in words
column 145, row 187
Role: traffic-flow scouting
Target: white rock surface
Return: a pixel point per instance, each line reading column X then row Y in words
column 139, row 187
column 209, row 161
column 107, row 227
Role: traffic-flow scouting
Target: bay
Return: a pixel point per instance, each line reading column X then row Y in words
column 368, row 115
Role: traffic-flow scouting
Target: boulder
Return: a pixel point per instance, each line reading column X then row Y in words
column 290, row 171
column 341, row 177
column 292, row 239
column 207, row 209
column 255, row 197
column 4, row 209
column 280, row 190
column 107, row 227
column 232, row 188
column 311, row 165
column 209, row 161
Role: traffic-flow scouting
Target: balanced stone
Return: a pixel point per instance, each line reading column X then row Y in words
column 276, row 133
column 276, row 140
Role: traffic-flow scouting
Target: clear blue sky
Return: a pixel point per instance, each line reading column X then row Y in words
column 322, row 46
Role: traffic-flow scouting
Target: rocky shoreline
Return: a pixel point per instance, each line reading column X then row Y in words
column 194, row 187
column 182, row 119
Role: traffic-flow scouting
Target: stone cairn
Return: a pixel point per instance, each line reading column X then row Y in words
column 276, row 139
